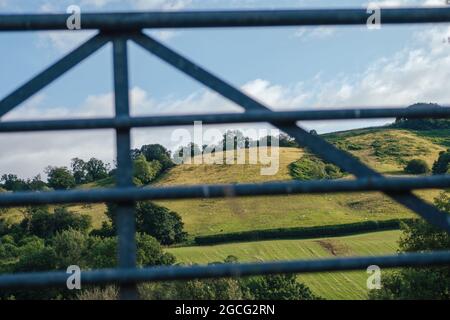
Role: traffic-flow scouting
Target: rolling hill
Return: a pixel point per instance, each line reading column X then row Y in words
column 386, row 150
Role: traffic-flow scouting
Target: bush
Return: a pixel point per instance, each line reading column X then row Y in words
column 276, row 287
column 417, row 166
column 312, row 168
column 441, row 165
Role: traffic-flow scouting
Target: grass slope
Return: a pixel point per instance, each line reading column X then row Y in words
column 330, row 285
column 385, row 150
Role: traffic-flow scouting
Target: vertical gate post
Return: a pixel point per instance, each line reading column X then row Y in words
column 125, row 213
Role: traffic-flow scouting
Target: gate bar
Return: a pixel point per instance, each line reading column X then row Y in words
column 127, row 21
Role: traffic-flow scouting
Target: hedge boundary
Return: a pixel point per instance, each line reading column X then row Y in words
column 302, row 232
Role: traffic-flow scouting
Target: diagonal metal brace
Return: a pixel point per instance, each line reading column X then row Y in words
column 53, row 72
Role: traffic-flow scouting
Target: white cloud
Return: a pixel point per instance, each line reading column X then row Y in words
column 63, row 41
column 407, row 3
column 141, row 4
column 308, row 33
column 160, row 4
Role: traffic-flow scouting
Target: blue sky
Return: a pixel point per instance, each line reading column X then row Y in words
column 285, row 67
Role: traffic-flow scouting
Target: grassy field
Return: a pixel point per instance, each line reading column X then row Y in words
column 380, row 149
column 330, row 285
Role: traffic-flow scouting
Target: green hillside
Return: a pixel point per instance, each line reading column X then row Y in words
column 330, row 285
column 386, row 150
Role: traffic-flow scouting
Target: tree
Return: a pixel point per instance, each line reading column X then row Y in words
column 44, row 224
column 165, row 225
column 441, row 165
column 157, row 152
column 187, row 152
column 36, row 184
column 96, row 169
column 233, row 139
column 3, row 209
column 13, row 183
column 276, row 287
column 92, row 170
column 60, row 178
column 417, row 166
column 419, row 283
column 79, row 170
column 146, row 171
column 287, row 141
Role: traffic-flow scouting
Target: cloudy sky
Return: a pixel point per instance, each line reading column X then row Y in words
column 284, row 67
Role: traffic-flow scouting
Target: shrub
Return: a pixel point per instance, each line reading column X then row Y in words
column 417, row 166
column 276, row 287
column 312, row 168
column 441, row 165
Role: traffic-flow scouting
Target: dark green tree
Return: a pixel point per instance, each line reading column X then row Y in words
column 40, row 222
column 60, row 178
column 441, row 165
column 79, row 170
column 165, row 225
column 96, row 169
column 146, row 171
column 12, row 182
column 276, row 287
column 156, row 152
column 419, row 283
column 417, row 166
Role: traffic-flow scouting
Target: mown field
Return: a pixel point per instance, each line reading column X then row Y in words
column 329, row 285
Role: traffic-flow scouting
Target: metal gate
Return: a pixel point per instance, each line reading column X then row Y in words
column 119, row 28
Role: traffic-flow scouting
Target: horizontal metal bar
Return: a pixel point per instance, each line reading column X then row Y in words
column 124, row 21
column 167, row 273
column 247, row 117
column 396, row 185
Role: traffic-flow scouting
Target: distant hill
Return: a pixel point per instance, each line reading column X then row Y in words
column 422, row 124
